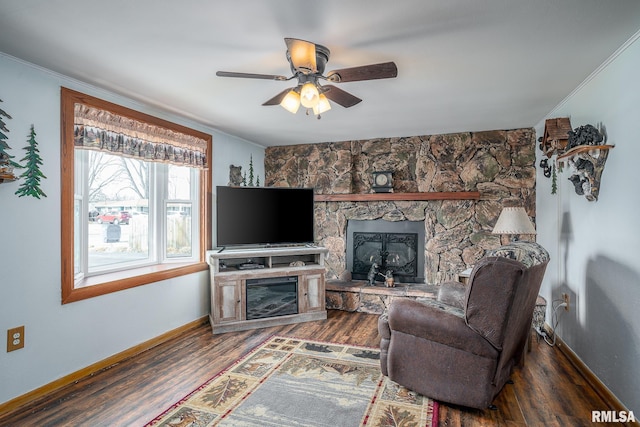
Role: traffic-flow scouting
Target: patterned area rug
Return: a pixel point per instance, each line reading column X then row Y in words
column 291, row 382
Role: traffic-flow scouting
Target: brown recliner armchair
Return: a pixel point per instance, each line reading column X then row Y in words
column 462, row 347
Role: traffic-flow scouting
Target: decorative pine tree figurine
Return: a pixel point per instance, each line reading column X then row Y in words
column 32, row 174
column 6, row 164
column 258, row 181
column 251, row 171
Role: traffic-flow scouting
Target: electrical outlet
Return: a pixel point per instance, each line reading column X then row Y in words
column 15, row 338
column 566, row 300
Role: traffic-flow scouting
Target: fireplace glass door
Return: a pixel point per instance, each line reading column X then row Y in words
column 395, row 252
column 270, row 297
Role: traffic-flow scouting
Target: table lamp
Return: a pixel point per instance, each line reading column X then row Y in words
column 513, row 221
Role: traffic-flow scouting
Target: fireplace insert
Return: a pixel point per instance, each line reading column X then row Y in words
column 270, row 297
column 393, row 246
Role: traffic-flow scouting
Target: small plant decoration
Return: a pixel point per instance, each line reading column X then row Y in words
column 6, row 164
column 251, row 171
column 32, row 174
column 239, row 178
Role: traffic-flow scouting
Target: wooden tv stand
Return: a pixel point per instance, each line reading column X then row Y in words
column 231, row 268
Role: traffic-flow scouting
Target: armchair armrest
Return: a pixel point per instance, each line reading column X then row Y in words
column 434, row 324
column 383, row 326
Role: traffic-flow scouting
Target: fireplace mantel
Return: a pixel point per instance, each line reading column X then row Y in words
column 379, row 197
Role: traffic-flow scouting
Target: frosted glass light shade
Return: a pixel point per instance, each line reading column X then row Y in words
column 323, row 105
column 309, row 96
column 303, row 54
column 291, row 101
column 514, row 220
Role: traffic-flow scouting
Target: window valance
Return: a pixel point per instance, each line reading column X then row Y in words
column 102, row 130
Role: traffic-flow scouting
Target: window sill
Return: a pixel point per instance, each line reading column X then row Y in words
column 112, row 282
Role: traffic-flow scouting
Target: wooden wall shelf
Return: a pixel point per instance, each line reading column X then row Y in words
column 583, row 149
column 380, row 197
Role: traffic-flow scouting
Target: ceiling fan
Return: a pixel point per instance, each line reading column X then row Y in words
column 308, row 61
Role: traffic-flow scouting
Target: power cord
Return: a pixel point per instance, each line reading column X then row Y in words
column 555, row 320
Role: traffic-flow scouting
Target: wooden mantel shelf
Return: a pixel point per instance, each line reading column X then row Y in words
column 380, row 197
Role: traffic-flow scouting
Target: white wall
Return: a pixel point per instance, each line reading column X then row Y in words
column 61, row 339
column 599, row 264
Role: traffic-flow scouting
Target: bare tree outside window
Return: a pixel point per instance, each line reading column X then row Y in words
column 138, row 176
column 99, row 177
column 118, row 194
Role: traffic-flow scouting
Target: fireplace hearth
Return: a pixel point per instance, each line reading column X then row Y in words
column 397, row 247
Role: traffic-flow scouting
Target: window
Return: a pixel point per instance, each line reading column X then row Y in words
column 135, row 198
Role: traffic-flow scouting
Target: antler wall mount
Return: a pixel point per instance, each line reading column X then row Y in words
column 308, row 61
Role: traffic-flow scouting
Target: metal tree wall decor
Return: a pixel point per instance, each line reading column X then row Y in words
column 32, row 173
column 6, row 164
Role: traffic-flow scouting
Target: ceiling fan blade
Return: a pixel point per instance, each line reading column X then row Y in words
column 250, row 75
column 385, row 70
column 278, row 98
column 302, row 55
column 340, row 96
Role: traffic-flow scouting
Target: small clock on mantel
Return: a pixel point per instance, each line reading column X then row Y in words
column 383, row 182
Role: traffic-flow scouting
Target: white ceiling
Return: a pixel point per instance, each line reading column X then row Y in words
column 463, row 65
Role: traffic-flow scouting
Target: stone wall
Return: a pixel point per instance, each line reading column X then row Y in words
column 498, row 164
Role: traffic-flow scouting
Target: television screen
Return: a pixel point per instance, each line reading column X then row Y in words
column 264, row 216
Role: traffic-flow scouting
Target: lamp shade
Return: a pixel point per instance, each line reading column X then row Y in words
column 323, row 105
column 309, row 95
column 514, row 220
column 303, row 54
column 291, row 101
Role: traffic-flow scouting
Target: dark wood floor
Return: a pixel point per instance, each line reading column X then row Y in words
column 547, row 391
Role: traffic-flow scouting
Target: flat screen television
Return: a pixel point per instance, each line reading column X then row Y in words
column 263, row 216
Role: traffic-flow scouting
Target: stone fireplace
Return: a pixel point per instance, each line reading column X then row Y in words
column 395, row 247
column 500, row 165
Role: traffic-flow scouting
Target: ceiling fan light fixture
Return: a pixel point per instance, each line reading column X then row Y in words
column 302, row 54
column 323, row 105
column 291, row 101
column 309, row 95
column 307, row 61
